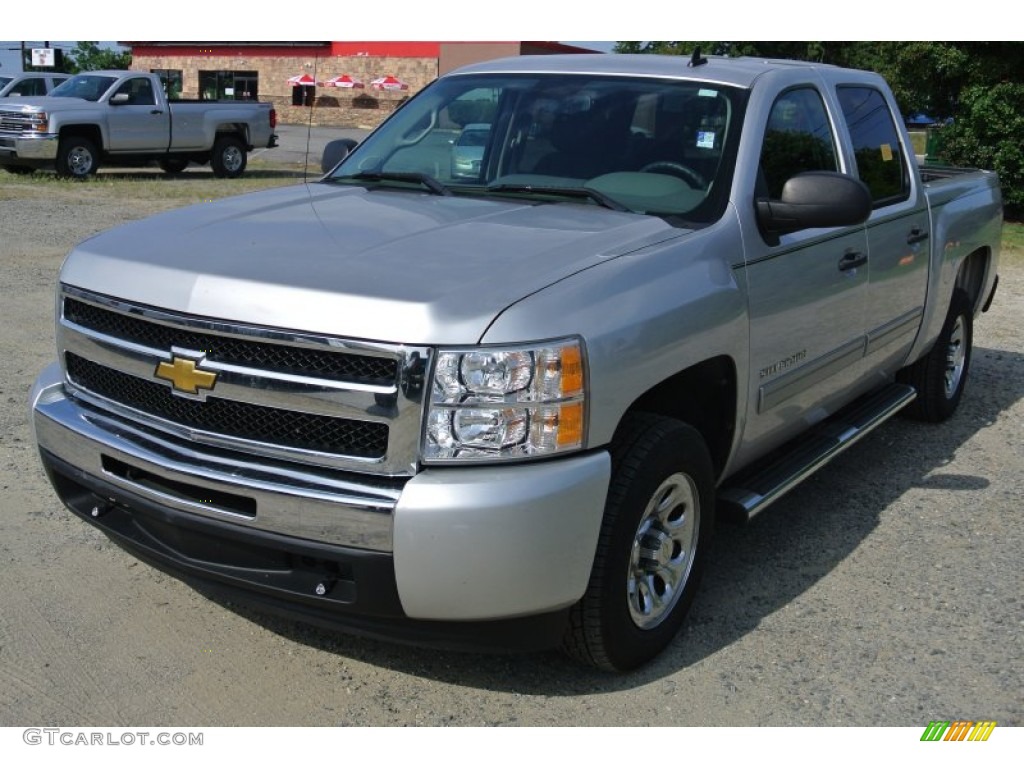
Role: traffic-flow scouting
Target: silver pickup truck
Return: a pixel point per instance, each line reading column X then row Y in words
column 124, row 118
column 30, row 83
column 502, row 403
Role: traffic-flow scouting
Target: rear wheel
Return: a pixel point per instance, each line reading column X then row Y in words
column 77, row 157
column 654, row 539
column 941, row 375
column 228, row 158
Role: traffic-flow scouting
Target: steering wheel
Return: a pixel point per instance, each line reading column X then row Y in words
column 684, row 172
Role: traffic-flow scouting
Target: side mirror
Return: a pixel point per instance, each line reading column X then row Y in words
column 118, row 99
column 815, row 199
column 335, row 152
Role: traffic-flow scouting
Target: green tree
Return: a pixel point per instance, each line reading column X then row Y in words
column 87, row 55
column 979, row 86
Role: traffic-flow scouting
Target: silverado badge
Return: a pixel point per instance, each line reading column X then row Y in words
column 184, row 376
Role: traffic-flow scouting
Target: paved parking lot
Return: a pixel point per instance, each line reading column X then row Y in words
column 296, row 141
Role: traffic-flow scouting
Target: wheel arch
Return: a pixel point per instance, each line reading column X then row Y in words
column 89, row 131
column 972, row 275
column 238, row 130
column 704, row 396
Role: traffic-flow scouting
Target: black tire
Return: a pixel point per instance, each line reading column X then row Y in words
column 19, row 170
column 173, row 165
column 77, row 157
column 660, row 503
column 228, row 158
column 941, row 375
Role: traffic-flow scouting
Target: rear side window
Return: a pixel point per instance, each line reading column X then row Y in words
column 876, row 143
column 798, row 138
column 33, row 86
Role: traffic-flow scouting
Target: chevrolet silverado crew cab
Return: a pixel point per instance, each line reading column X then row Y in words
column 501, row 402
column 124, row 118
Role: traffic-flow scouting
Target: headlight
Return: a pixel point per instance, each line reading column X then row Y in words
column 506, row 402
column 38, row 122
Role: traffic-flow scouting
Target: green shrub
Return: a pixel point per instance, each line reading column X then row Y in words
column 989, row 133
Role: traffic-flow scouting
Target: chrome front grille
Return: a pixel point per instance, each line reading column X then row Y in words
column 17, row 122
column 282, row 394
column 277, row 426
column 325, row 364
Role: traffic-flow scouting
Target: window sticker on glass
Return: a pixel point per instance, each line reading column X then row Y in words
column 886, row 153
column 706, row 139
column 707, row 92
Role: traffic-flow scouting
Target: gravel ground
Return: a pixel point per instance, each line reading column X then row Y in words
column 886, row 590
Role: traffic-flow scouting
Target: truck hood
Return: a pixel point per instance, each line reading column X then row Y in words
column 46, row 103
column 382, row 265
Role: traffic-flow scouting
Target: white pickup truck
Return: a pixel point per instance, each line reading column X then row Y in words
column 124, row 118
column 501, row 398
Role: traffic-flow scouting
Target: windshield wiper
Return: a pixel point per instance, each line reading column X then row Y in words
column 409, row 176
column 583, row 192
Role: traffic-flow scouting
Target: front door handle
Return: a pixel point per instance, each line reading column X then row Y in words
column 852, row 260
column 917, row 235
column 156, row 111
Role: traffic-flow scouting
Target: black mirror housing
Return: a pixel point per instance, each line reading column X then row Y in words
column 815, row 199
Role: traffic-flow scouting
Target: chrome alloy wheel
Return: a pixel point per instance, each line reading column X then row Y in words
column 232, row 158
column 663, row 550
column 956, row 356
column 80, row 160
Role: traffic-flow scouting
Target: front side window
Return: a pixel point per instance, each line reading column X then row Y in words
column 659, row 147
column 798, row 138
column 876, row 144
column 139, row 91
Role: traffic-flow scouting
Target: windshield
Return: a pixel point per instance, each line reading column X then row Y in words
column 88, row 87
column 4, row 81
column 663, row 147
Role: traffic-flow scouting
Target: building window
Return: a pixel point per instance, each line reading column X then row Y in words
column 303, row 95
column 171, row 80
column 237, row 85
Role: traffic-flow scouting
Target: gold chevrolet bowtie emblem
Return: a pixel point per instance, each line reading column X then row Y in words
column 184, row 375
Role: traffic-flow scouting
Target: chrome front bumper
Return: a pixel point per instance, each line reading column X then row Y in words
column 42, row 147
column 466, row 543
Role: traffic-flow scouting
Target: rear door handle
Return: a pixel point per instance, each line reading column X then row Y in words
column 917, row 235
column 156, row 111
column 852, row 260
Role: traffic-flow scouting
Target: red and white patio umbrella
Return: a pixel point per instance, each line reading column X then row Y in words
column 389, row 83
column 343, row 81
column 303, row 79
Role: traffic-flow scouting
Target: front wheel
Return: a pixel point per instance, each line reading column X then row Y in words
column 77, row 158
column 941, row 375
column 654, row 539
column 228, row 158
